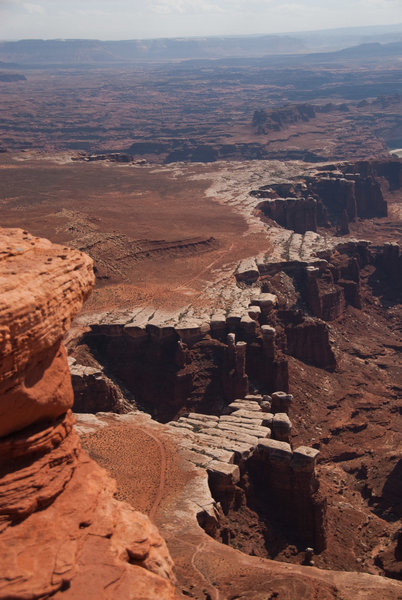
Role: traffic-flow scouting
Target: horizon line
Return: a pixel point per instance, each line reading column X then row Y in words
column 206, row 36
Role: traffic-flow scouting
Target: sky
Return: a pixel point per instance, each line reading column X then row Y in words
column 131, row 19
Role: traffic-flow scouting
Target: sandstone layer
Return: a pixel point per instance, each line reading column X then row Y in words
column 184, row 489
column 61, row 530
column 319, row 284
column 324, row 307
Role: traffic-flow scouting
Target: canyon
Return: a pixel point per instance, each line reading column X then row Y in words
column 281, row 327
column 208, row 105
column 258, row 401
column 200, row 384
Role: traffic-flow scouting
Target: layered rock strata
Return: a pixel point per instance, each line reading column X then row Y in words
column 250, row 441
column 389, row 170
column 204, row 566
column 61, row 530
column 201, row 359
column 334, row 197
column 389, row 262
column 169, row 363
column 95, row 392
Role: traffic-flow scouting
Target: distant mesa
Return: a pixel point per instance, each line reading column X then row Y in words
column 279, row 118
column 9, row 77
column 283, row 49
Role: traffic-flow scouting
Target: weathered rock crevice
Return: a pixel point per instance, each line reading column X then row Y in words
column 95, row 392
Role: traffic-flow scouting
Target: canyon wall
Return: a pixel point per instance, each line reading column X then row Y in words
column 62, row 533
column 170, row 364
column 250, row 461
column 95, row 392
column 389, row 263
column 388, row 169
column 335, row 196
column 173, row 366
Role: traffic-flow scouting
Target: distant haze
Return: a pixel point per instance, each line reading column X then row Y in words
column 129, row 19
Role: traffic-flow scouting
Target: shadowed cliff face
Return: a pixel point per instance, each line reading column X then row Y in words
column 331, row 198
column 54, row 501
column 170, row 366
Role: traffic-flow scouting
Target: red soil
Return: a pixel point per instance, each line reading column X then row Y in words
column 148, row 231
column 145, row 479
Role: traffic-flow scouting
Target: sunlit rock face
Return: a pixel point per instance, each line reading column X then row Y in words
column 61, row 530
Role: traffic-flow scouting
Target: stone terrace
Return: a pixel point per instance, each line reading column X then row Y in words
column 223, row 444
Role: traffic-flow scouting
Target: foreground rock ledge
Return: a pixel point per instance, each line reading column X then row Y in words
column 62, row 533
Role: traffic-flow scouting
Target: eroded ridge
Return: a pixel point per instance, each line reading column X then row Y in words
column 61, row 530
column 252, row 442
column 221, row 472
column 204, row 358
column 333, row 195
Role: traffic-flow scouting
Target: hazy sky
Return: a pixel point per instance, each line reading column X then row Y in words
column 128, row 19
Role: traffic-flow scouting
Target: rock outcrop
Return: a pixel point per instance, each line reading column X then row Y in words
column 171, row 364
column 388, row 169
column 95, row 392
column 62, row 533
column 334, row 197
column 275, row 120
column 309, row 341
column 389, row 263
column 298, row 214
column 251, row 443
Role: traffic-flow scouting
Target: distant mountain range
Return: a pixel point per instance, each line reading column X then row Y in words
column 94, row 51
column 334, row 44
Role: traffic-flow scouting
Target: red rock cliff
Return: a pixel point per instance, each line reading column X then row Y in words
column 61, row 530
